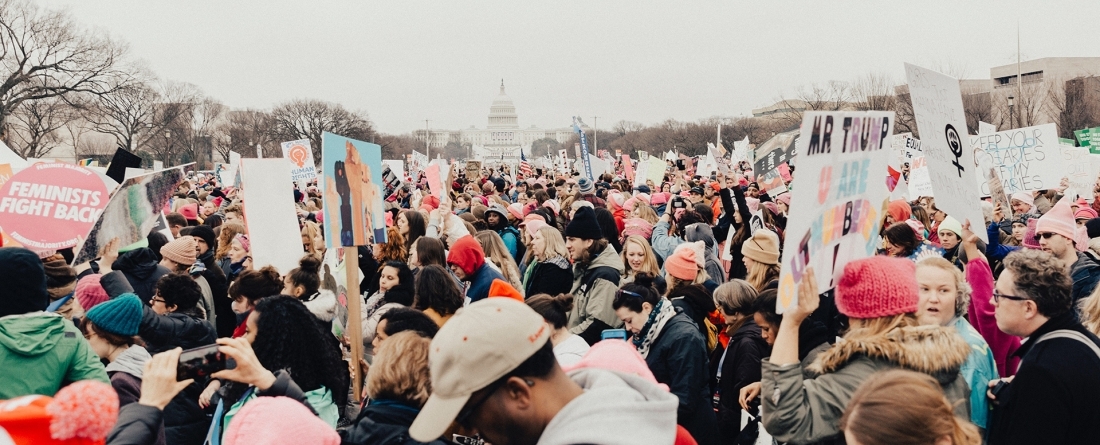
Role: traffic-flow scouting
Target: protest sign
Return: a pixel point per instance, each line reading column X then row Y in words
column 473, row 170
column 131, row 212
column 435, row 183
column 158, row 165
column 234, row 169
column 419, row 163
column 900, row 191
column 300, row 155
column 354, row 212
column 740, row 150
column 997, row 192
column 937, row 105
column 270, row 214
column 8, row 156
column 838, row 201
column 1027, row 159
column 920, row 182
column 772, row 183
column 390, row 181
column 628, row 169
column 51, row 206
column 120, row 162
column 655, row 171
column 1078, row 171
column 986, row 128
column 784, row 171
column 777, row 150
column 5, row 173
column 396, row 166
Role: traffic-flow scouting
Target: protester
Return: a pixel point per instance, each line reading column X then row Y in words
column 248, row 289
column 1056, row 233
column 879, row 296
column 467, row 261
column 905, row 408
column 702, row 232
column 548, row 270
column 689, row 289
column 1050, row 399
column 392, row 250
column 89, row 291
column 229, row 232
column 477, row 383
column 140, row 266
column 568, row 348
column 761, row 258
column 675, row 351
column 304, row 283
column 499, row 257
column 208, row 268
column 395, row 289
column 239, row 256
column 411, row 225
column 739, row 365
column 61, row 285
column 638, row 258
column 497, row 219
column 596, row 273
column 403, row 319
column 39, row 351
column 437, row 295
column 426, row 252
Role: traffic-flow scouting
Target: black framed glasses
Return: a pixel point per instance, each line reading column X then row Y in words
column 1044, row 235
column 997, row 296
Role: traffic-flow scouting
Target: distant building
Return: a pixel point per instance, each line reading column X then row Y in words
column 502, row 137
column 1022, row 95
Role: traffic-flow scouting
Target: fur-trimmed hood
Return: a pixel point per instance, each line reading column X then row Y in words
column 934, row 350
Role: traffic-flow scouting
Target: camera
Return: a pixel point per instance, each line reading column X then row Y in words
column 202, row 362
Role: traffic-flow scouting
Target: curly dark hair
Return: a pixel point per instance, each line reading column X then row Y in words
column 1042, row 278
column 179, row 289
column 903, row 236
column 404, row 292
column 437, row 290
column 256, row 284
column 289, row 338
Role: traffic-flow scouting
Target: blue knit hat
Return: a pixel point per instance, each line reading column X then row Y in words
column 120, row 316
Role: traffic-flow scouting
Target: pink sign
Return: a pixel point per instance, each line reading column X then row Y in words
column 627, row 168
column 785, row 172
column 434, row 182
column 51, row 206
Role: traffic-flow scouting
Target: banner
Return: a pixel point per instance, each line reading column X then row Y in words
column 777, row 150
column 1027, row 159
column 838, row 198
column 353, row 208
column 937, row 105
column 131, row 212
column 584, row 149
column 300, row 155
column 51, row 206
column 270, row 214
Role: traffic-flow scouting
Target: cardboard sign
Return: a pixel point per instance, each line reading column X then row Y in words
column 270, row 214
column 837, row 200
column 8, row 156
column 920, row 182
column 997, row 192
column 390, row 181
column 353, row 207
column 1078, row 171
column 772, row 183
column 51, row 206
column 120, row 162
column 777, row 150
column 740, row 150
column 300, row 155
column 131, row 213
column 435, row 183
column 473, row 170
column 937, row 104
column 1027, row 159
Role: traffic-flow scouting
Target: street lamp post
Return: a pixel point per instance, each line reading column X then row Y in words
column 1012, row 111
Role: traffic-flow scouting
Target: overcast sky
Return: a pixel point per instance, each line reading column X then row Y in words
column 406, row 61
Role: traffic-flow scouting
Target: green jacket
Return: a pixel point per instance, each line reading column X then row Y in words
column 41, row 352
column 802, row 411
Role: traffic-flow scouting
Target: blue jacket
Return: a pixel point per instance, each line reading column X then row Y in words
column 480, row 282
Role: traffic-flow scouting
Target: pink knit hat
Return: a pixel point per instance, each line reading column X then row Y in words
column 877, row 287
column 552, row 204
column 533, row 226
column 278, row 421
column 243, row 239
column 616, row 355
column 1029, row 237
column 1024, row 197
column 616, row 200
column 89, row 292
column 685, row 261
column 658, row 199
column 637, row 226
column 516, row 209
column 1085, row 213
column 1058, row 220
column 784, row 198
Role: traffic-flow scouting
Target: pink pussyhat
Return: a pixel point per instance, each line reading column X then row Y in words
column 616, row 355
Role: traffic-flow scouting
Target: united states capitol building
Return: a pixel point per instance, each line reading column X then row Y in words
column 502, row 137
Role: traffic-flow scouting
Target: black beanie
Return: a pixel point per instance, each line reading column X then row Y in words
column 206, row 234
column 115, row 284
column 584, row 225
column 24, row 279
column 1093, row 226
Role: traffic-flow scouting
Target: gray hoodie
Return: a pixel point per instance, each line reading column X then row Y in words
column 616, row 408
column 131, row 361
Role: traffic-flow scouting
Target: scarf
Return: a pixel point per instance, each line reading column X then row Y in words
column 653, row 326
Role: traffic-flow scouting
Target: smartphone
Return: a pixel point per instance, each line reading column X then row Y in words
column 467, row 440
column 619, row 334
column 1000, row 386
column 201, row 362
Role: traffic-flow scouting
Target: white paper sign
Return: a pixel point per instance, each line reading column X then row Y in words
column 1027, row 159
column 270, row 214
column 300, row 155
column 1078, row 169
column 937, row 105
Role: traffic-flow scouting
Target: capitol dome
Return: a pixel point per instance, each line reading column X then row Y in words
column 502, row 114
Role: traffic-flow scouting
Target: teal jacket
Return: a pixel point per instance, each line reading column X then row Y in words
column 979, row 368
column 40, row 352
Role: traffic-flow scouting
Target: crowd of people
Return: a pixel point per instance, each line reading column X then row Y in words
column 559, row 309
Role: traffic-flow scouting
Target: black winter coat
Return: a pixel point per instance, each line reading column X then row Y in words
column 678, row 358
column 142, row 269
column 554, row 276
column 184, row 422
column 383, row 423
column 1053, row 397
column 740, row 367
column 219, row 288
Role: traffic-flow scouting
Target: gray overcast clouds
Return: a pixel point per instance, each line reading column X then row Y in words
column 406, row 61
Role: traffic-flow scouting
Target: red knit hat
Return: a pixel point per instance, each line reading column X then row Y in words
column 89, row 292
column 82, row 413
column 466, row 253
column 684, row 261
column 876, row 287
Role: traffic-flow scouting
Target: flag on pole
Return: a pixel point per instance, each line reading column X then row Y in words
column 524, row 166
column 84, row 162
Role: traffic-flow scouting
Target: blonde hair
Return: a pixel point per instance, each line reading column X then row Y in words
column 646, row 212
column 555, row 244
column 225, row 238
column 310, row 230
column 761, row 274
column 649, row 264
column 903, row 407
column 499, row 255
column 400, row 370
column 962, row 288
column 674, row 282
column 860, row 328
column 1090, row 311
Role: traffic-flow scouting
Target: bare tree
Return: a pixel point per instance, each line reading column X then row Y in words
column 36, row 126
column 44, row 54
column 126, row 112
column 241, row 130
column 309, row 119
column 874, row 91
column 194, row 130
column 829, row 96
column 1074, row 102
column 978, row 107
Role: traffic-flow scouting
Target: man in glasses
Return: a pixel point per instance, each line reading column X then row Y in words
column 1056, row 233
column 1052, row 397
column 494, row 374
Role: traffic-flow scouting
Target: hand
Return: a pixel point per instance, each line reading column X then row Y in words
column 808, row 298
column 998, row 214
column 1063, row 185
column 208, row 393
column 158, row 381
column 445, row 208
column 249, row 370
column 968, row 236
column 992, row 383
column 748, row 393
column 109, row 253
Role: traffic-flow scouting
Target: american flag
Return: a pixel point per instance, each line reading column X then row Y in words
column 524, row 166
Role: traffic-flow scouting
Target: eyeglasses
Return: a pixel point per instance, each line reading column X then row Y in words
column 1044, row 235
column 157, row 300
column 626, row 292
column 997, row 296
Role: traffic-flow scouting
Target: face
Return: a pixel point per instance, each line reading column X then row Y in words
column 937, row 215
column 157, row 305
column 767, row 331
column 98, row 344
column 1019, row 207
column 200, row 246
column 538, row 242
column 749, row 262
column 402, row 224
column 289, row 288
column 635, row 256
column 208, row 209
column 1054, row 244
column 1081, row 222
column 732, row 319
column 492, row 218
column 752, row 192
column 241, row 305
column 577, row 247
column 306, row 244
column 176, row 231
column 251, row 327
column 233, row 217
column 890, row 248
column 414, row 260
column 462, row 203
column 1018, row 231
column 695, row 198
column 1012, row 315
column 938, row 291
column 237, row 252
column 379, row 334
column 949, row 239
column 633, row 322
column 461, row 274
column 388, row 280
